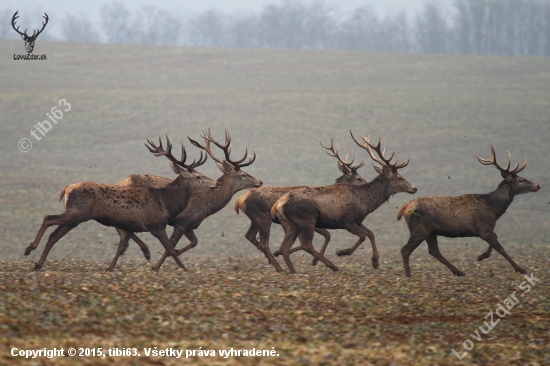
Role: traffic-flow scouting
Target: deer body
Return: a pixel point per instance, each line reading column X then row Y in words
column 338, row 207
column 128, row 208
column 469, row 215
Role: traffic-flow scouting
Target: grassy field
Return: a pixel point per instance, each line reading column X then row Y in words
column 438, row 111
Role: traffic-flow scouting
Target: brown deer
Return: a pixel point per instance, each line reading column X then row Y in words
column 257, row 203
column 338, row 207
column 135, row 208
column 205, row 203
column 469, row 215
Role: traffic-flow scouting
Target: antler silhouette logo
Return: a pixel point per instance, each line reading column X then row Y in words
column 29, row 40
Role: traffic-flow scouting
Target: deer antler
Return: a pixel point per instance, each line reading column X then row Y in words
column 493, row 161
column 43, row 26
column 13, row 19
column 25, row 35
column 334, row 153
column 382, row 160
column 159, row 151
column 226, row 147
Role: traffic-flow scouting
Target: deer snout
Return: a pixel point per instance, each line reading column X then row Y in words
column 215, row 185
column 413, row 190
column 259, row 184
column 537, row 188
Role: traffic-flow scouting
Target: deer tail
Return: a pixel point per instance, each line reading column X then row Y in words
column 401, row 210
column 62, row 194
column 240, row 203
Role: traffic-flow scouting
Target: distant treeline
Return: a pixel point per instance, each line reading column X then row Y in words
column 498, row 27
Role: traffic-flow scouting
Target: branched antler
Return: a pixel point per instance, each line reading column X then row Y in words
column 493, row 161
column 159, row 151
column 24, row 34
column 381, row 160
column 226, row 148
column 334, row 153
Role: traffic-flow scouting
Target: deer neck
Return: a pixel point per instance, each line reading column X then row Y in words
column 209, row 202
column 500, row 199
column 174, row 196
column 375, row 193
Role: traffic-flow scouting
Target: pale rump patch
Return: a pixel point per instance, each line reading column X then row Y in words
column 277, row 208
column 240, row 203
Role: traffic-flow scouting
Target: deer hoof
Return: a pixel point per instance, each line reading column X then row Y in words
column 28, row 250
column 375, row 263
column 460, row 274
column 521, row 270
column 342, row 252
column 482, row 256
column 314, row 262
column 335, row 269
column 277, row 253
column 37, row 267
column 147, row 255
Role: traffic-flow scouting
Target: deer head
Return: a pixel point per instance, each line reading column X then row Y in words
column 519, row 184
column 198, row 181
column 387, row 170
column 240, row 179
column 29, row 40
column 350, row 171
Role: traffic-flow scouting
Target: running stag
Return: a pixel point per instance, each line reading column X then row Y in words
column 338, row 207
column 463, row 216
column 257, row 203
column 130, row 208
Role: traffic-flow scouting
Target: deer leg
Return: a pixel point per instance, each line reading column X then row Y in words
column 142, row 245
column 326, row 234
column 406, row 251
column 122, row 245
column 306, row 239
column 57, row 234
column 251, row 235
column 491, row 238
column 433, row 249
column 486, row 254
column 290, row 237
column 163, row 238
column 144, row 248
column 48, row 221
column 265, row 230
column 174, row 238
column 355, row 230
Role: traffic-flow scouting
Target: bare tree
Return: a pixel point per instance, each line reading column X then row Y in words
column 77, row 28
column 432, row 34
column 116, row 23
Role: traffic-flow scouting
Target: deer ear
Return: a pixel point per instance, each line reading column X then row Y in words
column 225, row 167
column 344, row 169
column 177, row 169
column 507, row 176
column 378, row 169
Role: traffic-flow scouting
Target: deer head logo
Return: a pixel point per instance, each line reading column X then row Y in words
column 29, row 40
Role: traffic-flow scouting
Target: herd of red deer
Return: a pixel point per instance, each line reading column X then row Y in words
column 148, row 203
